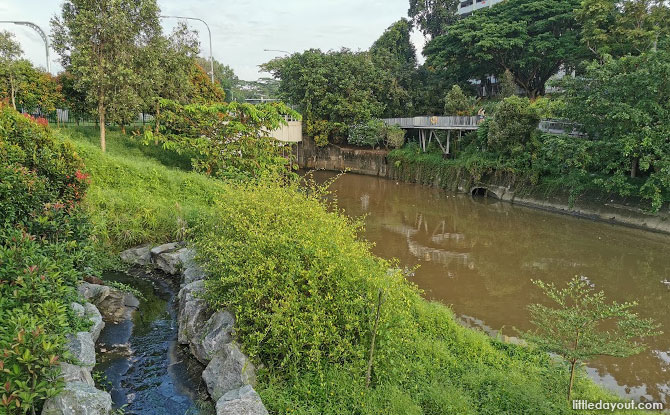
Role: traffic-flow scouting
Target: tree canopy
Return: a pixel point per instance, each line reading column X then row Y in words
column 433, row 17
column 532, row 39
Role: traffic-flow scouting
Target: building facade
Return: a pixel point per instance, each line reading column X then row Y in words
column 466, row 7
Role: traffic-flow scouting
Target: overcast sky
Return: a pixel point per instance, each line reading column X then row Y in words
column 242, row 29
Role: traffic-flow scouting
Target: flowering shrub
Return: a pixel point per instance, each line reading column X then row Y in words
column 39, row 120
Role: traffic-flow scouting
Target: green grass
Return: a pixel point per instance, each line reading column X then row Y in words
column 426, row 362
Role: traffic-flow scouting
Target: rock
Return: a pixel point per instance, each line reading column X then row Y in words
column 94, row 315
column 212, row 336
column 170, row 262
column 187, row 257
column 78, row 309
column 193, row 311
column 140, row 255
column 82, row 348
column 79, row 398
column 230, row 369
column 74, row 373
column 93, row 280
column 193, row 273
column 164, row 248
column 94, row 292
column 117, row 305
column 242, row 401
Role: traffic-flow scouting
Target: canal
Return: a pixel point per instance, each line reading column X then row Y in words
column 479, row 256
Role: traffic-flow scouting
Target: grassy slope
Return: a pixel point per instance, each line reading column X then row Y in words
column 139, row 194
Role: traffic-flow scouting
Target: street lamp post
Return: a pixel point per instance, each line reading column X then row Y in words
column 277, row 50
column 39, row 30
column 211, row 55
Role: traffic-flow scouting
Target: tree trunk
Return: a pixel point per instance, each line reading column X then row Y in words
column 123, row 129
column 13, row 91
column 101, row 119
column 158, row 112
column 572, row 378
column 634, row 167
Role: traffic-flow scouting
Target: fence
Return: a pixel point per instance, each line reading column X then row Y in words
column 67, row 118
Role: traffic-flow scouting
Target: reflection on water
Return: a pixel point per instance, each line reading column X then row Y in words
column 480, row 256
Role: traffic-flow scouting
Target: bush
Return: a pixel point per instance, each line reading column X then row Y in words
column 457, row 103
column 41, row 177
column 395, row 136
column 369, row 134
column 513, row 126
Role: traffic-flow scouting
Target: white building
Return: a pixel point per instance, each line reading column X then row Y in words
column 466, row 7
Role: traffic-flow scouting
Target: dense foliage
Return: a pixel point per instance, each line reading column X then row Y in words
column 43, row 253
column 227, row 140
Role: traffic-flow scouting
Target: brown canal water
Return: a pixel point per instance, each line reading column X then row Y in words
column 479, row 256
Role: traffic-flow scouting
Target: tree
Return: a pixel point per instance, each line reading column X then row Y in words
column 625, row 105
column 622, row 27
column 224, row 75
column 332, row 90
column 395, row 52
column 74, row 98
column 98, row 41
column 433, row 17
column 10, row 52
column 203, row 90
column 30, row 89
column 507, row 85
column 583, row 325
column 511, row 130
column 457, row 103
column 532, row 39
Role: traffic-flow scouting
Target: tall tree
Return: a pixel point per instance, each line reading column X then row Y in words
column 10, row 52
column 622, row 27
column 224, row 75
column 395, row 52
column 530, row 38
column 433, row 17
column 97, row 41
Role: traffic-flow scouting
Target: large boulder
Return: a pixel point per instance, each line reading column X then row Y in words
column 161, row 249
column 230, row 369
column 193, row 311
column 140, row 255
column 212, row 336
column 82, row 348
column 193, row 273
column 79, row 398
column 242, row 401
column 117, row 306
column 93, row 292
column 171, row 262
column 74, row 373
column 94, row 315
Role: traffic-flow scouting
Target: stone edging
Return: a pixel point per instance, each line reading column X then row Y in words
column 229, row 375
column 80, row 395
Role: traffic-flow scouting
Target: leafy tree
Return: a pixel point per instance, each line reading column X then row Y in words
column 97, row 41
column 457, row 103
column 230, row 140
column 530, row 38
column 30, row 89
column 583, row 325
column 224, row 75
column 395, row 52
column 10, row 52
column 512, row 128
column 622, row 27
column 74, row 98
column 332, row 90
column 433, row 17
column 507, row 84
column 203, row 90
column 625, row 103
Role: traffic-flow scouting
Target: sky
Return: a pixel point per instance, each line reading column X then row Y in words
column 242, row 29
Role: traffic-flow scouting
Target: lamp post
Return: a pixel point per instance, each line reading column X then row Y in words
column 277, row 50
column 211, row 55
column 39, row 30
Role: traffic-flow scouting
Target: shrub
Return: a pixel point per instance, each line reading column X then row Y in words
column 457, row 103
column 41, row 177
column 395, row 136
column 371, row 133
column 512, row 127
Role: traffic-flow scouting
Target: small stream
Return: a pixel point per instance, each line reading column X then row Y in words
column 139, row 360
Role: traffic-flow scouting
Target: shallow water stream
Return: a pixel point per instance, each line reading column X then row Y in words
column 479, row 257
column 139, row 360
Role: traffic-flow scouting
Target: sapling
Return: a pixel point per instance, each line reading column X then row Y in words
column 583, row 325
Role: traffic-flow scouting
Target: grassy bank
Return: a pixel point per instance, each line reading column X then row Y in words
column 306, row 292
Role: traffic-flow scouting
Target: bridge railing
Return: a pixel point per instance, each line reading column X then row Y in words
column 449, row 122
